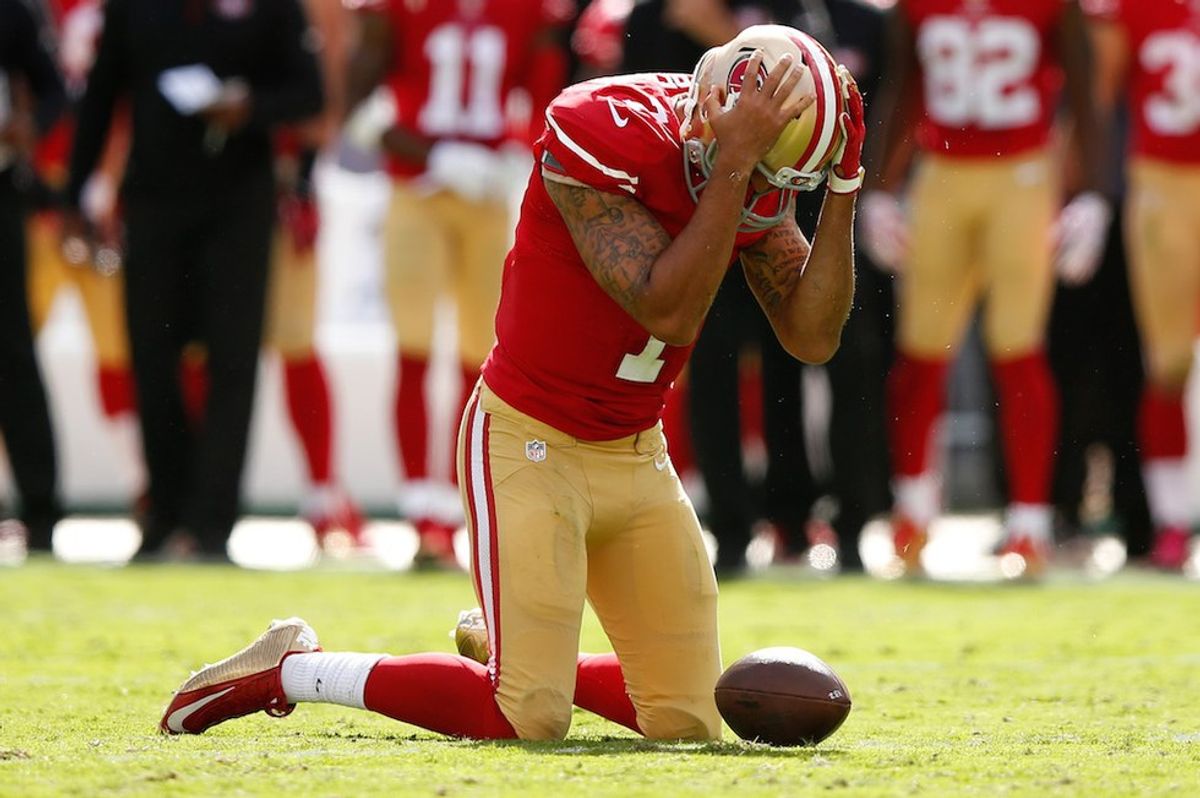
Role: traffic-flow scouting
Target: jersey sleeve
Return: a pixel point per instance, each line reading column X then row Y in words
column 600, row 139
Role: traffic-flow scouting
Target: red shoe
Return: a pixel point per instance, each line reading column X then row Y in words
column 436, row 545
column 245, row 683
column 1024, row 557
column 334, row 517
column 1172, row 547
column 909, row 541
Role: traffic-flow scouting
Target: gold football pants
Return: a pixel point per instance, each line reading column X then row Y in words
column 1162, row 230
column 443, row 245
column 980, row 231
column 555, row 520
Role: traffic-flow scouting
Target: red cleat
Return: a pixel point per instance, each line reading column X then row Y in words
column 334, row 517
column 436, row 545
column 1172, row 547
column 1024, row 557
column 245, row 683
column 909, row 541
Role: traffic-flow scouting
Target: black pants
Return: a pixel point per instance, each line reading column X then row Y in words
column 858, row 429
column 197, row 272
column 24, row 416
column 1095, row 353
column 735, row 322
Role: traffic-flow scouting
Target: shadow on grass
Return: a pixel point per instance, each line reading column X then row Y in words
column 606, row 746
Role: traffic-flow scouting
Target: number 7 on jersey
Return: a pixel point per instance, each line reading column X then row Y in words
column 645, row 365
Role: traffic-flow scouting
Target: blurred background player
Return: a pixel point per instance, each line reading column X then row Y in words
column 95, row 276
column 292, row 292
column 449, row 72
column 31, row 99
column 207, row 83
column 1150, row 50
column 984, row 75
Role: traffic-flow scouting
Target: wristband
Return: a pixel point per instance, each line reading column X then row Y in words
column 846, row 185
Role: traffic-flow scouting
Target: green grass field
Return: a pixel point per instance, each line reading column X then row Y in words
column 1067, row 688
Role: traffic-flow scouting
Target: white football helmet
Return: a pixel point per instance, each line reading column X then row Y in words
column 802, row 155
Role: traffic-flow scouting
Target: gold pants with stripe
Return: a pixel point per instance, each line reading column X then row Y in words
column 555, row 521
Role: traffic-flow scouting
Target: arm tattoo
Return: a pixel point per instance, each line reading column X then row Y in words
column 616, row 236
column 775, row 263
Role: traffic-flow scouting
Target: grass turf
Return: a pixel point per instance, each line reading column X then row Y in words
column 1066, row 688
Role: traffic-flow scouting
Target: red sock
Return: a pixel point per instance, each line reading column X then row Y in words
column 600, row 688
column 1028, row 425
column 193, row 382
column 115, row 385
column 677, row 429
column 411, row 416
column 1162, row 431
column 441, row 692
column 308, row 405
column 916, row 389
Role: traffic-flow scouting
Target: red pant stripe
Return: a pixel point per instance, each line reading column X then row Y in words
column 482, row 506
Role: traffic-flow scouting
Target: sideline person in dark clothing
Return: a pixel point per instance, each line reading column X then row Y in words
column 207, row 80
column 31, row 98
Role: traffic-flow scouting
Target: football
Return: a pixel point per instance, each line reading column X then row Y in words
column 782, row 696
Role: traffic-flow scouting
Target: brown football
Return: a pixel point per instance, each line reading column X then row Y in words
column 782, row 696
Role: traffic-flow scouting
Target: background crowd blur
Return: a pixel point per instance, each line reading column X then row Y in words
column 207, row 212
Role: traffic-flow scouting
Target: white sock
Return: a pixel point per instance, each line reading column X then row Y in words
column 1031, row 520
column 1167, row 492
column 918, row 498
column 328, row 677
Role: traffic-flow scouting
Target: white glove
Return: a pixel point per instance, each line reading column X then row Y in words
column 472, row 171
column 884, row 229
column 372, row 118
column 1079, row 236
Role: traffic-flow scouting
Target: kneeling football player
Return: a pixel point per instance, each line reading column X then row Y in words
column 649, row 187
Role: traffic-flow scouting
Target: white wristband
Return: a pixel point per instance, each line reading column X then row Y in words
column 845, row 185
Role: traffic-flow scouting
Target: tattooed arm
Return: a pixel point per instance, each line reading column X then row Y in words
column 806, row 290
column 667, row 284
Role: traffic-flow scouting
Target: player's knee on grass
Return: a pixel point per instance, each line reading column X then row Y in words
column 538, row 714
column 676, row 723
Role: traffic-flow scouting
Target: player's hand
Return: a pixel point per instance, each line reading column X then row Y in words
column 298, row 214
column 846, row 176
column 884, row 230
column 472, row 171
column 76, row 236
column 1079, row 236
column 748, row 126
column 370, row 119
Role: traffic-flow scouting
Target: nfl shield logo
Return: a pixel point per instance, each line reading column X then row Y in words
column 535, row 451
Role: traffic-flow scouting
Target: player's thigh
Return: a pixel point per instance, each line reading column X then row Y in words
column 527, row 524
column 47, row 271
column 104, row 304
column 417, row 260
column 482, row 238
column 653, row 589
column 1017, row 256
column 939, row 289
column 291, row 298
column 1163, row 237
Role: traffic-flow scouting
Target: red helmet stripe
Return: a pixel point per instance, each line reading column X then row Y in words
column 826, row 105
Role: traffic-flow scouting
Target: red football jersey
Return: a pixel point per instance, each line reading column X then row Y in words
column 989, row 78
column 565, row 352
column 456, row 63
column 1164, row 74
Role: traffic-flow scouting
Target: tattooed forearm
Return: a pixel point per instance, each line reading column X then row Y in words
column 616, row 236
column 774, row 264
